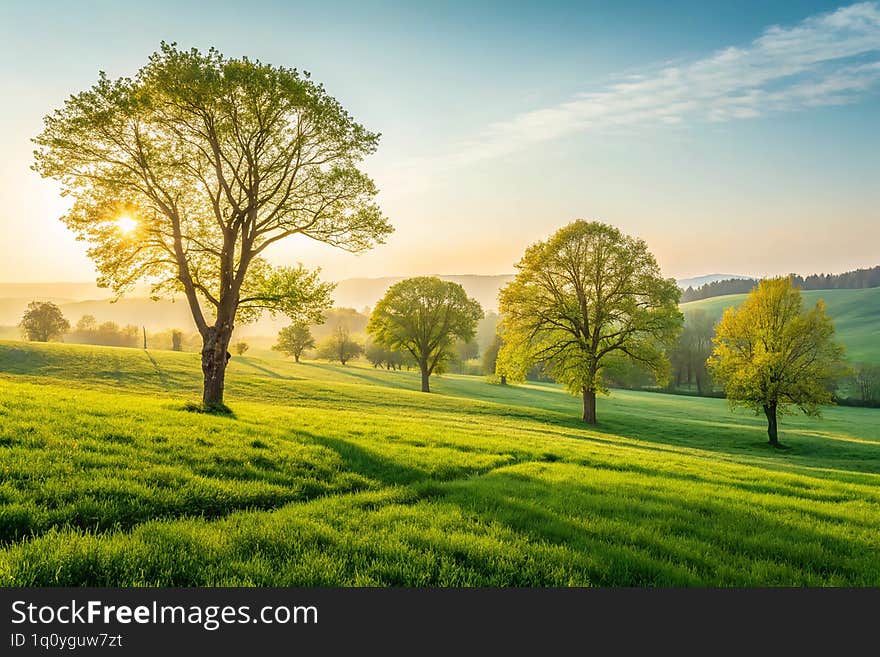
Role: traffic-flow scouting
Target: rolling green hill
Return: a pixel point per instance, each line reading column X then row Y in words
column 330, row 475
column 856, row 315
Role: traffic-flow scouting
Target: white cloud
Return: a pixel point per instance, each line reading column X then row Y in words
column 827, row 59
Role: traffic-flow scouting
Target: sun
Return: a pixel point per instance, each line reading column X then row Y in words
column 126, row 224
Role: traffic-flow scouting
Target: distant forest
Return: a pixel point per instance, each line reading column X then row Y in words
column 851, row 280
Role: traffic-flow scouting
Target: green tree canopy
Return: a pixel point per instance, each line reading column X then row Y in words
column 771, row 355
column 692, row 349
column 585, row 294
column 184, row 175
column 490, row 355
column 293, row 340
column 87, row 323
column 381, row 356
column 866, row 381
column 425, row 316
column 43, row 321
column 340, row 346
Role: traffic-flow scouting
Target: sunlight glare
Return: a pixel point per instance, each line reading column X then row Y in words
column 126, row 224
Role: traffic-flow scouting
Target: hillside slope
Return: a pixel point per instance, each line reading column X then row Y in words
column 856, row 315
column 332, row 475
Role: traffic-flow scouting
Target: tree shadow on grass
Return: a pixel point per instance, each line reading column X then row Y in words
column 662, row 539
column 163, row 378
column 740, row 438
column 374, row 376
column 265, row 370
column 669, row 422
column 734, row 435
column 369, row 463
column 219, row 410
column 402, row 382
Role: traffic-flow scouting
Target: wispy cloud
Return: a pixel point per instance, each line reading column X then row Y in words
column 827, row 59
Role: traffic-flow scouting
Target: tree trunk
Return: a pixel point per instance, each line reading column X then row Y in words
column 589, row 406
column 425, row 376
column 296, row 357
column 770, row 412
column 215, row 356
column 504, row 379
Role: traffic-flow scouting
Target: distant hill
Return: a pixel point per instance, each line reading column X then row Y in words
column 55, row 292
column 155, row 315
column 856, row 315
column 697, row 281
column 78, row 299
column 855, row 279
column 718, row 289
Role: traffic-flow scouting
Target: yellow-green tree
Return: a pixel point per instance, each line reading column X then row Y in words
column 772, row 356
column 340, row 346
column 293, row 340
column 585, row 295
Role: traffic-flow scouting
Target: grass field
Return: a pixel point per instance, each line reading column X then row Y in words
column 855, row 314
column 347, row 476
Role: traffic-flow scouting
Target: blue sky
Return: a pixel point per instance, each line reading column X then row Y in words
column 735, row 137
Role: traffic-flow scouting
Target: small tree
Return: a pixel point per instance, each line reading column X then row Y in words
column 176, row 340
column 86, row 324
column 381, row 356
column 425, row 316
column 771, row 355
column 866, row 378
column 293, row 340
column 462, row 352
column 43, row 321
column 340, row 346
column 587, row 293
column 241, row 347
column 693, row 348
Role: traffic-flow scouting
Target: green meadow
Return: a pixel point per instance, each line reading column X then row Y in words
column 331, row 475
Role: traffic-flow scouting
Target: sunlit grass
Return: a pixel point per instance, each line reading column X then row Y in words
column 332, row 475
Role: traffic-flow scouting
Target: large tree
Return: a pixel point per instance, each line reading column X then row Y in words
column 587, row 293
column 425, row 316
column 43, row 321
column 771, row 355
column 293, row 340
column 186, row 173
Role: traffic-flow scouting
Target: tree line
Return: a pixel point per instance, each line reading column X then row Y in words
column 851, row 280
column 43, row 321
